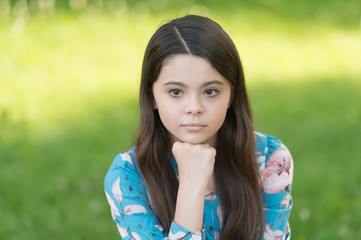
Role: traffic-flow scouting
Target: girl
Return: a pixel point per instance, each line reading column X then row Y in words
column 198, row 170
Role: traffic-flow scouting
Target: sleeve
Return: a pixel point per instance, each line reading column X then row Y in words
column 276, row 173
column 130, row 206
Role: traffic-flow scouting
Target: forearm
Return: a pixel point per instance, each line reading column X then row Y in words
column 195, row 167
column 189, row 207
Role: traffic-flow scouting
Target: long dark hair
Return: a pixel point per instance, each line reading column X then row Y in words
column 235, row 165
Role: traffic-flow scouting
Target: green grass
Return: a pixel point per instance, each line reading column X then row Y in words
column 68, row 105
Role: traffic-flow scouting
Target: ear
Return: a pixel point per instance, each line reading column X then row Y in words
column 231, row 99
column 154, row 104
column 230, row 102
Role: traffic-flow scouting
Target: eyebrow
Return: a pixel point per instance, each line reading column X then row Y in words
column 203, row 85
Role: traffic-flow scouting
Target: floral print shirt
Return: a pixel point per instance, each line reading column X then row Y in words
column 131, row 208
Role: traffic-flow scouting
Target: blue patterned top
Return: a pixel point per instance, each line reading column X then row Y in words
column 132, row 211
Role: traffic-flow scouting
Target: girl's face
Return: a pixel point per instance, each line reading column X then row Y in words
column 192, row 98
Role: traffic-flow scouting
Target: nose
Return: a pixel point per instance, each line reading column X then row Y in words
column 194, row 106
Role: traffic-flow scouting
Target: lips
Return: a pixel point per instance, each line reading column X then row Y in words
column 194, row 127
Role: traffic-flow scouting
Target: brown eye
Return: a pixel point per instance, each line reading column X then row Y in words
column 175, row 92
column 211, row 92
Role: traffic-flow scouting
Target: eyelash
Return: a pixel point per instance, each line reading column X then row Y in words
column 214, row 91
column 172, row 91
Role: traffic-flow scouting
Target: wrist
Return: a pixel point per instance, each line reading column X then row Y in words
column 189, row 207
column 192, row 187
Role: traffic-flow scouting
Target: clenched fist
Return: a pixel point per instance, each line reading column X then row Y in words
column 195, row 164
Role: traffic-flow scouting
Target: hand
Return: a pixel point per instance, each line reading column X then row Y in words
column 195, row 167
column 195, row 163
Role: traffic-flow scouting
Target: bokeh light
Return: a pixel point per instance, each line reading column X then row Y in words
column 69, row 78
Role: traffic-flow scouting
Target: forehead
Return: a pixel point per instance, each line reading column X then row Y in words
column 189, row 69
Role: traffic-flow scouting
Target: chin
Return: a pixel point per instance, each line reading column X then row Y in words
column 195, row 141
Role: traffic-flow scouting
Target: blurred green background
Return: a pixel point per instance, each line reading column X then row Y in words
column 69, row 73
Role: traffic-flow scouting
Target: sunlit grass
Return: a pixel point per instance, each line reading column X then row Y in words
column 52, row 67
column 275, row 50
column 68, row 104
column 55, row 67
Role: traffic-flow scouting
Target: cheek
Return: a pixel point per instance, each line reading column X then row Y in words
column 219, row 111
column 167, row 114
column 165, row 109
column 218, row 119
